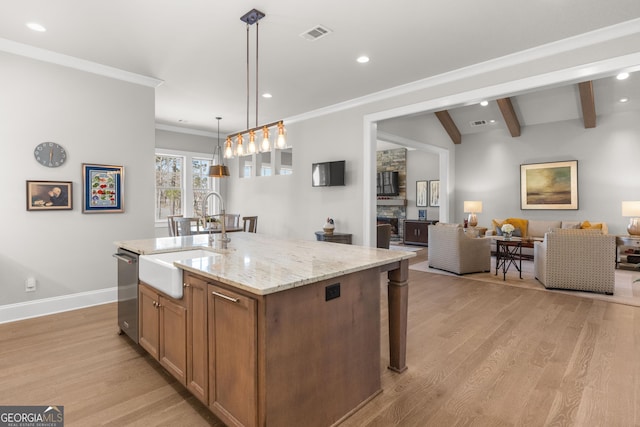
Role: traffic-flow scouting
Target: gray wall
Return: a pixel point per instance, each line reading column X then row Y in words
column 98, row 120
column 488, row 169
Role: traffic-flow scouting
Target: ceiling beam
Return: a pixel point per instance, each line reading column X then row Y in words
column 587, row 99
column 509, row 115
column 449, row 125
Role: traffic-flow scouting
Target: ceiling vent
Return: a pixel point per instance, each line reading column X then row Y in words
column 315, row 33
column 478, row 123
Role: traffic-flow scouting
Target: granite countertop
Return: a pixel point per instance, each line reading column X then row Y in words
column 264, row 264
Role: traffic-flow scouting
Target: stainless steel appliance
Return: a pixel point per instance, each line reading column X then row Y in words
column 127, row 292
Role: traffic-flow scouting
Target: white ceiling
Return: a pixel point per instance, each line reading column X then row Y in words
column 198, row 47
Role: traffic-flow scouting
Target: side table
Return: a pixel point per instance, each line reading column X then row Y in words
column 628, row 251
column 334, row 237
column 508, row 252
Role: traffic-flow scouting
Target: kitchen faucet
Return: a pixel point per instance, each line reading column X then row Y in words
column 223, row 236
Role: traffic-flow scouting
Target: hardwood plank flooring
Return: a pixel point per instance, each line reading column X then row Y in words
column 479, row 354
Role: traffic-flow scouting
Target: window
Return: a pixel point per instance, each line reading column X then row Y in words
column 169, row 179
column 182, row 182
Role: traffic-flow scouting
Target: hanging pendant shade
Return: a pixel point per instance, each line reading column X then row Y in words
column 218, row 170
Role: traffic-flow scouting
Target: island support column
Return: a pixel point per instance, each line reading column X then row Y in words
column 398, row 299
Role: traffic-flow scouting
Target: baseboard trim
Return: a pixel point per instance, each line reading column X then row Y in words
column 46, row 306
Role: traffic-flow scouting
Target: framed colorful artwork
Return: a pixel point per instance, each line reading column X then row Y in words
column 103, row 188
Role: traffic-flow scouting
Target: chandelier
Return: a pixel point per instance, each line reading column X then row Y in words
column 238, row 149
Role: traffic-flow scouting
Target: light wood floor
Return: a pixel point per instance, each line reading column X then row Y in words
column 479, row 354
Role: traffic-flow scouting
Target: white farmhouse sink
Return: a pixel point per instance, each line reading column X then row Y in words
column 158, row 271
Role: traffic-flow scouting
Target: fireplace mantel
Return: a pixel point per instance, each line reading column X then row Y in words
column 391, row 202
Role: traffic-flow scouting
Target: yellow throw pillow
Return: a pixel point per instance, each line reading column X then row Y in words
column 586, row 225
column 521, row 223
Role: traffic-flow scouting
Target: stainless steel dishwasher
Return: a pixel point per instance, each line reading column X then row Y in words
column 127, row 292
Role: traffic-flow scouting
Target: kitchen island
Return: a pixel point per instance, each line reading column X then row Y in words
column 274, row 332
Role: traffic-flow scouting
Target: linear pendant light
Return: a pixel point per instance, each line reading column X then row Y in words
column 250, row 18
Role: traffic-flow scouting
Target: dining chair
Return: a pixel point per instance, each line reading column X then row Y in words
column 250, row 224
column 187, row 226
column 232, row 220
column 172, row 224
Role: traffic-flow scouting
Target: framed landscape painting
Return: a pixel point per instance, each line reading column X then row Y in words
column 549, row 185
column 102, row 188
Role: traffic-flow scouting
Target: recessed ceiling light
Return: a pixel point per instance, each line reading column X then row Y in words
column 484, row 103
column 492, row 121
column 363, row 59
column 624, row 100
column 622, row 76
column 267, row 95
column 36, row 27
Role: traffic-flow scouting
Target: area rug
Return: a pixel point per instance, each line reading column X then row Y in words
column 404, row 248
column 626, row 290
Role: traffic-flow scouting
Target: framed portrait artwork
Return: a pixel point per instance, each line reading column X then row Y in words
column 434, row 193
column 49, row 195
column 103, row 189
column 421, row 193
column 549, row 185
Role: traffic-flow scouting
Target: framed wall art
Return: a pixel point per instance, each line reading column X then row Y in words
column 421, row 193
column 549, row 185
column 49, row 195
column 434, row 193
column 102, row 188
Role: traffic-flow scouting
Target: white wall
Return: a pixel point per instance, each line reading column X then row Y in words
column 421, row 166
column 98, row 120
column 488, row 169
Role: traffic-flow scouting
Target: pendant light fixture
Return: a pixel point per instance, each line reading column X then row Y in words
column 218, row 170
column 250, row 18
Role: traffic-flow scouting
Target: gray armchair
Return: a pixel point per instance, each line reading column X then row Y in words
column 452, row 250
column 582, row 260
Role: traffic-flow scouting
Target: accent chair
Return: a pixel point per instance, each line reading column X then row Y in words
column 450, row 249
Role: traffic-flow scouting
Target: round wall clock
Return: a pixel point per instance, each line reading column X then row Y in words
column 50, row 154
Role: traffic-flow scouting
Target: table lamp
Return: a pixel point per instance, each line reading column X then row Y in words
column 473, row 207
column 631, row 209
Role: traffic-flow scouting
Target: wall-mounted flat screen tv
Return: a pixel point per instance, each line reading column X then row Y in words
column 327, row 174
column 388, row 183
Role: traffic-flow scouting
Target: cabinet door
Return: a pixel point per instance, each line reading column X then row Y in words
column 232, row 356
column 172, row 352
column 197, row 348
column 148, row 321
column 416, row 232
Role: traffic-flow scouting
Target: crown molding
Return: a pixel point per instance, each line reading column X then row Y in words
column 45, row 55
column 179, row 129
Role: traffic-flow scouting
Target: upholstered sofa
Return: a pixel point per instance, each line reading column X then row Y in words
column 535, row 229
column 452, row 250
column 576, row 259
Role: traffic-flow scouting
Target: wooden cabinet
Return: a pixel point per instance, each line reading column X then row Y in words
column 416, row 232
column 163, row 330
column 195, row 295
column 233, row 366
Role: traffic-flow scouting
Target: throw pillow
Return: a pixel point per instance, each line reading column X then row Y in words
column 497, row 223
column 586, row 225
